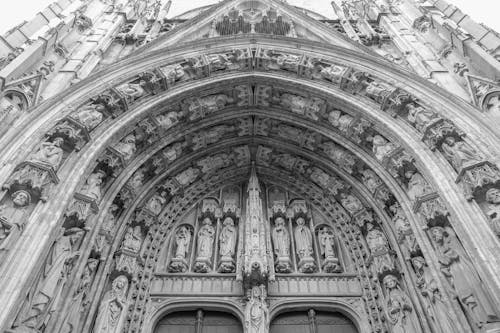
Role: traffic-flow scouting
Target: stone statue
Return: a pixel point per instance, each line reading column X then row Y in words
column 167, row 120
column 280, row 61
column 398, row 308
column 404, row 231
column 417, row 185
column 126, row 147
column 304, row 246
column 205, row 243
column 109, row 222
column 493, row 199
column 377, row 91
column 341, row 121
column 371, row 180
column 435, row 306
column 13, row 218
column 462, row 278
column 281, row 245
column 174, row 73
column 113, row 308
column 227, row 243
column 256, row 311
column 133, row 239
column 155, row 204
column 92, row 187
column 137, row 179
column 351, row 203
column 133, row 91
column 90, row 115
column 420, row 117
column 460, row 153
column 381, row 147
column 332, row 73
column 182, row 246
column 379, row 248
column 339, row 155
column 79, row 301
column 326, row 240
column 49, row 153
column 309, row 107
column 215, row 103
column 55, row 273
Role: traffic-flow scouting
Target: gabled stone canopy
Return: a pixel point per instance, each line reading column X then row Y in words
column 361, row 140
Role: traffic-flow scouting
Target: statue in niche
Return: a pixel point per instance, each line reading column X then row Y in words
column 90, row 115
column 137, row 179
column 216, row 102
column 420, row 117
column 126, row 147
column 493, row 199
column 133, row 239
column 462, row 278
column 460, row 153
column 326, row 240
column 433, row 299
column 133, row 91
column 55, row 272
column 339, row 156
column 13, row 217
column 256, row 311
column 49, row 153
column 112, row 309
column 205, row 243
column 182, row 245
column 332, row 73
column 304, row 246
column 167, row 120
column 280, row 61
column 403, row 228
column 309, row 107
column 92, row 187
column 80, row 301
column 174, row 73
column 223, row 61
column 228, row 237
column 417, row 185
column 281, row 243
column 377, row 91
column 381, row 147
column 341, row 121
column 109, row 222
column 398, row 307
column 351, row 203
column 379, row 248
column 371, row 180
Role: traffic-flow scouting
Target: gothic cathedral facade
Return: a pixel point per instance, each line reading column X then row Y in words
column 250, row 166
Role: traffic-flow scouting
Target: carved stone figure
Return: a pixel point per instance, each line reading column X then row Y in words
column 339, row 156
column 309, row 107
column 113, row 308
column 109, row 221
column 381, row 147
column 211, row 103
column 133, row 91
column 204, row 248
column 332, row 73
column 256, row 311
column 283, row 61
column 55, row 273
column 90, row 115
column 227, row 240
column 417, row 185
column 224, row 61
column 371, row 180
column 460, row 153
column 379, row 248
column 79, row 301
column 126, row 147
column 351, row 203
column 281, row 245
column 377, row 91
column 304, row 246
column 174, row 73
column 49, row 153
column 493, row 199
column 13, row 218
column 462, row 278
column 137, row 179
column 435, row 306
column 182, row 246
column 326, row 240
column 403, row 228
column 341, row 121
column 420, row 117
column 167, row 120
column 133, row 239
column 92, row 187
column 399, row 308
column 155, row 204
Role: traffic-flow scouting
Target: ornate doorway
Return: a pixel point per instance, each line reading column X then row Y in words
column 312, row 321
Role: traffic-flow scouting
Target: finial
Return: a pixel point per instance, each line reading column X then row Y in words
column 253, row 182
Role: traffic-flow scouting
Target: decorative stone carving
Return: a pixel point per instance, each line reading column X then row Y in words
column 304, row 246
column 83, row 22
column 378, row 91
column 329, row 183
column 49, row 153
column 113, row 307
column 303, row 138
column 133, row 239
column 351, row 203
column 204, row 138
column 462, row 279
column 276, row 61
column 339, row 156
column 256, row 310
column 417, row 185
column 204, row 247
column 460, row 154
column 200, row 107
column 92, row 187
column 399, row 308
column 13, row 218
column 126, row 147
column 382, row 148
column 327, row 244
column 281, row 244
column 55, row 273
column 182, row 245
column 133, row 91
column 404, row 231
column 493, row 209
column 380, row 252
column 227, row 246
column 421, row 118
column 308, row 107
column 441, row 317
column 89, row 115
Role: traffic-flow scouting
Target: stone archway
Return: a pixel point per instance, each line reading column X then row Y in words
column 155, row 136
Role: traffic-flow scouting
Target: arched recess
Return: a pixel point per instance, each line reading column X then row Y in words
column 247, row 94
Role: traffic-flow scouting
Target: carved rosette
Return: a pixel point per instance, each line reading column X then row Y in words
column 36, row 178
